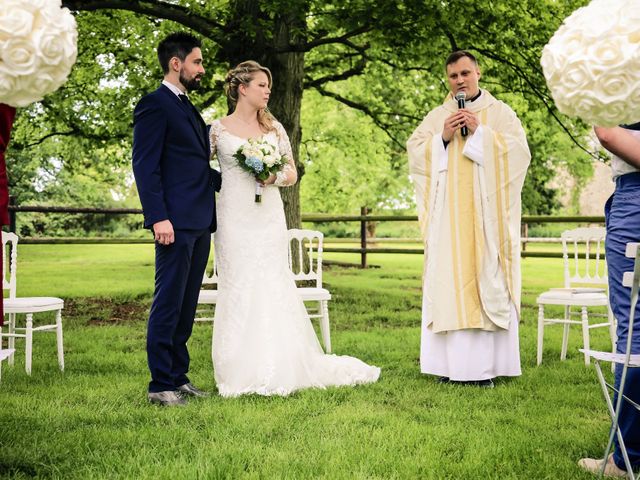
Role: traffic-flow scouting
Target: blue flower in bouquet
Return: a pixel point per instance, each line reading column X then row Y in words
column 254, row 163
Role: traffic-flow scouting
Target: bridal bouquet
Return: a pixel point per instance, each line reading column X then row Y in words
column 261, row 159
column 592, row 63
column 37, row 49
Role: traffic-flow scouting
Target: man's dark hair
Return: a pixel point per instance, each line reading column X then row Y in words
column 457, row 55
column 177, row 44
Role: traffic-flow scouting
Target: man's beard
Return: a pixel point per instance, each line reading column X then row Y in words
column 190, row 84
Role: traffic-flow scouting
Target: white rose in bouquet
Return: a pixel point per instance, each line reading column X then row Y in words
column 37, row 49
column 252, row 151
column 592, row 63
column 270, row 160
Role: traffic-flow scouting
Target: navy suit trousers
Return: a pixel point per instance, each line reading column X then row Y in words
column 622, row 213
column 179, row 271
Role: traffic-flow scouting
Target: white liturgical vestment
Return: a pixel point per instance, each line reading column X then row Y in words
column 468, row 197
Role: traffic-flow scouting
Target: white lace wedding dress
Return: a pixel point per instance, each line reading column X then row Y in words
column 263, row 339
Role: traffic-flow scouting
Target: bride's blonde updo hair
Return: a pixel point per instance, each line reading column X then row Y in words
column 242, row 74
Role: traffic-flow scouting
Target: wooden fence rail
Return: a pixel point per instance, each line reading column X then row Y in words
column 363, row 219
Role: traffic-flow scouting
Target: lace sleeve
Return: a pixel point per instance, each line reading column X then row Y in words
column 214, row 133
column 288, row 175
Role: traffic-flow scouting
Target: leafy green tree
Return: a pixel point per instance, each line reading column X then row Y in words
column 381, row 58
column 348, row 161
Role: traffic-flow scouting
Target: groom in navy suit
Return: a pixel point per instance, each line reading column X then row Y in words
column 176, row 187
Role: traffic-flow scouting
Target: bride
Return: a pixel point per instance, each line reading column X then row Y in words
column 263, row 340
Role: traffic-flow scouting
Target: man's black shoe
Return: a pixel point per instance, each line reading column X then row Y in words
column 190, row 390
column 168, row 398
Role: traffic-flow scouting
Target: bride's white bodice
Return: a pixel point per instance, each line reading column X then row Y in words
column 238, row 185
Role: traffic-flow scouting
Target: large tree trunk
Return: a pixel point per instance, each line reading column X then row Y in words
column 286, row 102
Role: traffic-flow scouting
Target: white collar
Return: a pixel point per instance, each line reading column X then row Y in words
column 173, row 88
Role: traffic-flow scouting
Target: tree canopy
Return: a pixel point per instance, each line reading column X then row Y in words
column 358, row 75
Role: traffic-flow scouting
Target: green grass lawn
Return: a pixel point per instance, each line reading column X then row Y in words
column 93, row 421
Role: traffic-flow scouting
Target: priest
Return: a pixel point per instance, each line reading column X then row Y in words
column 468, row 160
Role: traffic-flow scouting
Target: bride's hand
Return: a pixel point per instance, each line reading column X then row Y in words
column 268, row 181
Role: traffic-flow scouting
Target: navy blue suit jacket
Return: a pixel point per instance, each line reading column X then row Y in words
column 171, row 163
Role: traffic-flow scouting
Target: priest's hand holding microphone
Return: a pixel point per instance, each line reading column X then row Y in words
column 463, row 120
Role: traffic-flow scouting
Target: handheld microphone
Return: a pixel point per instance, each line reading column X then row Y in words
column 460, row 96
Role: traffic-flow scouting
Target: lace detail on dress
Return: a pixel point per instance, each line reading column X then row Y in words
column 214, row 134
column 284, row 145
column 288, row 175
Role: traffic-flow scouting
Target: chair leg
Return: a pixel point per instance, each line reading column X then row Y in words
column 612, row 414
column 585, row 335
column 12, row 340
column 28, row 343
column 565, row 334
column 324, row 325
column 540, row 333
column 59, row 339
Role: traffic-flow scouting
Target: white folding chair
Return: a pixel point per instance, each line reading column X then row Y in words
column 308, row 243
column 208, row 296
column 4, row 354
column 628, row 360
column 585, row 287
column 14, row 306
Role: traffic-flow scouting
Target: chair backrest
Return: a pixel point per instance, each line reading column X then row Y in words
column 305, row 255
column 583, row 255
column 9, row 251
column 211, row 273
